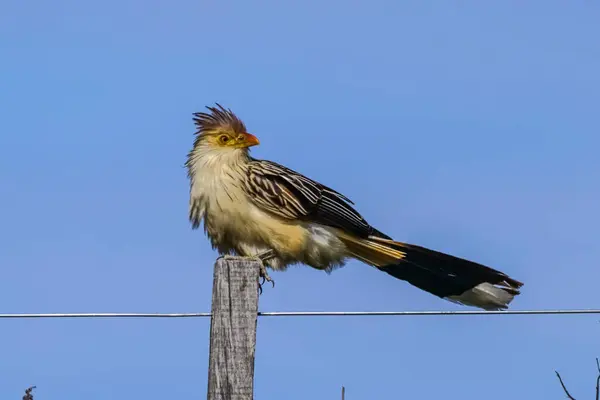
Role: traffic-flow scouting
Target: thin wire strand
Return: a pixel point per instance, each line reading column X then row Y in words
column 106, row 315
column 307, row 314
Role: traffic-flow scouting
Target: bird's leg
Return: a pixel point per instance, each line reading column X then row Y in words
column 264, row 257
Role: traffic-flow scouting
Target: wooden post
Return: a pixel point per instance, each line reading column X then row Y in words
column 233, row 329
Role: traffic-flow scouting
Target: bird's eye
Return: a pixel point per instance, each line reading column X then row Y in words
column 224, row 139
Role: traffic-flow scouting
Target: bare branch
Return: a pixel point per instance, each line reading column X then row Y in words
column 564, row 387
column 598, row 380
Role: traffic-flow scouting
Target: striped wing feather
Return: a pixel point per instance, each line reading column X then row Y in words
column 291, row 195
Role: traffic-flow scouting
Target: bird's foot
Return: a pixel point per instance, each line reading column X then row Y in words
column 265, row 277
column 264, row 257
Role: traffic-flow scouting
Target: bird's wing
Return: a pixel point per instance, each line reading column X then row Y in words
column 291, row 195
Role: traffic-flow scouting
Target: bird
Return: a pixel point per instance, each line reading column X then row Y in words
column 259, row 209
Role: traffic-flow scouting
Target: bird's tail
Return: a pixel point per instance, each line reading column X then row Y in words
column 443, row 275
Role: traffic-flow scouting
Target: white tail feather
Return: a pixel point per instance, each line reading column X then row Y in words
column 484, row 295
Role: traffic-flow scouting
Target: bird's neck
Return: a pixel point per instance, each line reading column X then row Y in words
column 210, row 161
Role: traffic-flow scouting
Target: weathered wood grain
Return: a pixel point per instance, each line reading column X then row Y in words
column 233, row 330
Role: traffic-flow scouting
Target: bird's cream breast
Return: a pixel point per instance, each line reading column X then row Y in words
column 232, row 218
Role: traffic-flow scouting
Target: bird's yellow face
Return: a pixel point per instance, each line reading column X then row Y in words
column 222, row 129
column 232, row 140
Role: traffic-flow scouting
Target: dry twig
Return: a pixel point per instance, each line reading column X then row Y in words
column 564, row 387
column 598, row 380
column 597, row 383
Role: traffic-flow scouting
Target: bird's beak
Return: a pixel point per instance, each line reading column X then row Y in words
column 251, row 140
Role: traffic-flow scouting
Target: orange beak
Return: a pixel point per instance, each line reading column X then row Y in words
column 251, row 140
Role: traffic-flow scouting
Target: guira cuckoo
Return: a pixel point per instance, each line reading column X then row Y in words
column 261, row 209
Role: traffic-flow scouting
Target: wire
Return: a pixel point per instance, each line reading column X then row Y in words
column 106, row 315
column 307, row 314
column 426, row 313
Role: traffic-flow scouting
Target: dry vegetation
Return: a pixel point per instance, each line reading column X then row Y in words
column 28, row 394
column 562, row 383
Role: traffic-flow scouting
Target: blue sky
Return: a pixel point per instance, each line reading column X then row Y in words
column 469, row 127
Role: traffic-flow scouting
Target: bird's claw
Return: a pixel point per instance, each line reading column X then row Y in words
column 265, row 278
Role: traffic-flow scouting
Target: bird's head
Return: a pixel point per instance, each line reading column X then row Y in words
column 222, row 129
